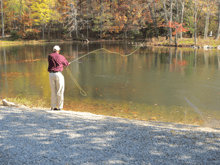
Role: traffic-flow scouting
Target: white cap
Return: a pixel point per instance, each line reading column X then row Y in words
column 56, row 48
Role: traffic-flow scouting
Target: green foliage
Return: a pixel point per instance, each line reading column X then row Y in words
column 189, row 21
column 41, row 12
column 15, row 36
column 136, row 33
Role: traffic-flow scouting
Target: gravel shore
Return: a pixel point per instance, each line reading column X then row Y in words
column 41, row 136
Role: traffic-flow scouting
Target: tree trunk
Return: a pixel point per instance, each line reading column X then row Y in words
column 218, row 30
column 101, row 8
column 177, row 11
column 153, row 17
column 126, row 36
column 20, row 10
column 43, row 31
column 87, row 26
column 166, row 20
column 207, row 21
column 76, row 26
column 3, row 29
column 195, row 21
column 206, row 25
column 49, row 30
column 155, row 20
column 171, row 20
column 177, row 20
column 181, row 17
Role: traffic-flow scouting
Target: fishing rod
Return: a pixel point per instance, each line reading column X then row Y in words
column 82, row 92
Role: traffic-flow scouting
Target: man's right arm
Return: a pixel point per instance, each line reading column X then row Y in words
column 65, row 62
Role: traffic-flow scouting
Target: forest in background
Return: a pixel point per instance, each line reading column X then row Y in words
column 110, row 19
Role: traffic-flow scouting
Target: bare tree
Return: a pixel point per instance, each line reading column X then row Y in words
column 101, row 22
column 171, row 19
column 2, row 18
column 87, row 21
column 177, row 19
column 218, row 30
column 195, row 21
column 153, row 16
column 182, row 2
column 72, row 22
column 207, row 19
column 166, row 13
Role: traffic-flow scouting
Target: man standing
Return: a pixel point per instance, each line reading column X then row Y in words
column 56, row 62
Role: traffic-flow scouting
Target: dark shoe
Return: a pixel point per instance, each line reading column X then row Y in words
column 57, row 109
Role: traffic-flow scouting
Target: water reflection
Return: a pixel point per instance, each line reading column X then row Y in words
column 163, row 84
column 5, row 68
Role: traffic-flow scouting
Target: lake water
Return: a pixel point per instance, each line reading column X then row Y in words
column 153, row 83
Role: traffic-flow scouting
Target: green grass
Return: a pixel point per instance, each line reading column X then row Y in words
column 188, row 41
column 200, row 41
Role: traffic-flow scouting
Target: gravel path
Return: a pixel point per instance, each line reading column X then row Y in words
column 40, row 136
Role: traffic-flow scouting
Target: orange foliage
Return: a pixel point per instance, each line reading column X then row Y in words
column 175, row 25
column 26, row 20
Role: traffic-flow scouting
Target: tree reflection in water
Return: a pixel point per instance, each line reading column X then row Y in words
column 151, row 84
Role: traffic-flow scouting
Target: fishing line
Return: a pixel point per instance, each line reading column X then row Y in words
column 196, row 109
column 111, row 52
column 82, row 92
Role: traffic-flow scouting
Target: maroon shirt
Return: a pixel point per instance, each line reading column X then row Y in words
column 56, row 62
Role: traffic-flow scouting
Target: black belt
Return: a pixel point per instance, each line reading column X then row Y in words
column 54, row 71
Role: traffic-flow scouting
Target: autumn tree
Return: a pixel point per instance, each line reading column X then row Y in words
column 107, row 18
column 102, row 17
column 42, row 12
column 131, row 16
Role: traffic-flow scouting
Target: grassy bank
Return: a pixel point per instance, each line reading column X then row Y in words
column 161, row 41
column 30, row 42
column 7, row 41
column 185, row 42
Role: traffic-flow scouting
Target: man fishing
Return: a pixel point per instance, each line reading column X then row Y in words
column 56, row 63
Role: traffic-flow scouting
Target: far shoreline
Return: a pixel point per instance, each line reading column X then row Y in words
column 211, row 43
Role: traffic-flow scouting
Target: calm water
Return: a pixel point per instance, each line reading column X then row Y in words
column 161, row 84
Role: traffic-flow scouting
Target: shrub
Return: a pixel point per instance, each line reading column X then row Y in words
column 32, row 34
column 15, row 35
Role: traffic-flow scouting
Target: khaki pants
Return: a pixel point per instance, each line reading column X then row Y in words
column 57, row 86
